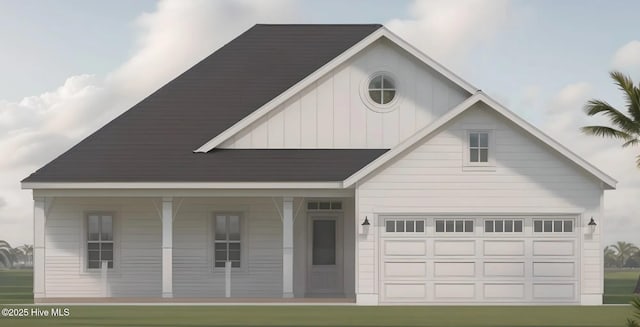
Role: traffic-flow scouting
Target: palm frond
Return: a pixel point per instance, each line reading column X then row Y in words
column 632, row 142
column 620, row 120
column 606, row 131
column 631, row 93
column 635, row 303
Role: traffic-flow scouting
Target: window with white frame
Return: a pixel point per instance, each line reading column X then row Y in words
column 324, row 205
column 503, row 226
column 99, row 240
column 479, row 147
column 404, row 226
column 454, row 226
column 227, row 240
column 553, row 226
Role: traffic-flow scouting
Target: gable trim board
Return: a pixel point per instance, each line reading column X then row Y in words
column 337, row 61
column 609, row 182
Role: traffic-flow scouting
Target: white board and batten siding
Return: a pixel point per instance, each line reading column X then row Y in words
column 331, row 113
column 529, row 180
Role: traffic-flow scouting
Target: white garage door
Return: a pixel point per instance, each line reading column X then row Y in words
column 479, row 259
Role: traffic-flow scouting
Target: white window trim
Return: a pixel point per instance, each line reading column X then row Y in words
column 490, row 165
column 494, row 233
column 84, row 246
column 330, row 200
column 415, row 219
column 553, row 232
column 464, row 232
column 377, row 107
column 243, row 242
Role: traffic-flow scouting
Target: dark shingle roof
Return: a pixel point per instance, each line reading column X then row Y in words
column 161, row 131
column 220, row 165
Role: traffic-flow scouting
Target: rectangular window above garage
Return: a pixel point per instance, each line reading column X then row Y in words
column 553, row 226
column 479, row 151
column 454, row 226
column 503, row 226
column 404, row 226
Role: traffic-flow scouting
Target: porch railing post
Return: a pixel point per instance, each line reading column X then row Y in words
column 167, row 247
column 227, row 278
column 287, row 247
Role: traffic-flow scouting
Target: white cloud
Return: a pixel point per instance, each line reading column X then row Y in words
column 447, row 29
column 171, row 39
column 563, row 120
column 627, row 58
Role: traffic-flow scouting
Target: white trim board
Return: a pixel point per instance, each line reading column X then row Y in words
column 609, row 182
column 181, row 185
column 335, row 62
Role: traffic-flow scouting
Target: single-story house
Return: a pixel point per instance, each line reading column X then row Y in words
column 326, row 163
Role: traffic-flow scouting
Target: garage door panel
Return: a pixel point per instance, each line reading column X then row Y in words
column 405, row 247
column 459, row 291
column 454, row 269
column 410, row 292
column 504, row 269
column 479, row 267
column 553, row 291
column 503, row 291
column 503, row 248
column 398, row 269
column 454, row 248
column 554, row 269
column 554, row 248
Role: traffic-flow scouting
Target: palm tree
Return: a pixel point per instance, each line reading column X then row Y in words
column 610, row 259
column 626, row 127
column 624, row 250
column 635, row 321
column 7, row 255
column 28, row 253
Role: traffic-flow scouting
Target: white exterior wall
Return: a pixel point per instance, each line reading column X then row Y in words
column 137, row 236
column 529, row 178
column 138, row 248
column 332, row 113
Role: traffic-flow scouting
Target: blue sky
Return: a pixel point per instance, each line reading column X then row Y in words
column 70, row 66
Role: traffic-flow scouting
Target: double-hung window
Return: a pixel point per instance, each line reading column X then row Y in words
column 227, row 240
column 478, row 147
column 99, row 240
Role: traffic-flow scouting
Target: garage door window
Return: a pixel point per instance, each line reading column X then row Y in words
column 404, row 226
column 454, row 226
column 553, row 226
column 503, row 226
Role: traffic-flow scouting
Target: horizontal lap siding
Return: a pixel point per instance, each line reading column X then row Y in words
column 138, row 242
column 262, row 238
column 529, row 178
column 138, row 233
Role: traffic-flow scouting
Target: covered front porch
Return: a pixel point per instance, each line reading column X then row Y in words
column 234, row 245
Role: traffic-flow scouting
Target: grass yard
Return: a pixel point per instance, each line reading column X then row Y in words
column 194, row 316
column 619, row 285
column 15, row 287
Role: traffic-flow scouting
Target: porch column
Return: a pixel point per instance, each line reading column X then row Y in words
column 167, row 247
column 39, row 220
column 287, row 247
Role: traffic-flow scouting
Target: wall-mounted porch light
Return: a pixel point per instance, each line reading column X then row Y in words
column 592, row 226
column 364, row 227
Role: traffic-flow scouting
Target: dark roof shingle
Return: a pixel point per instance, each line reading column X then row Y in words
column 161, row 131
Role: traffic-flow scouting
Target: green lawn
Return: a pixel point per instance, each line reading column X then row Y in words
column 619, row 285
column 15, row 287
column 333, row 316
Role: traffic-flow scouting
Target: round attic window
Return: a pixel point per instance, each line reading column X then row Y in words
column 380, row 92
column 382, row 89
